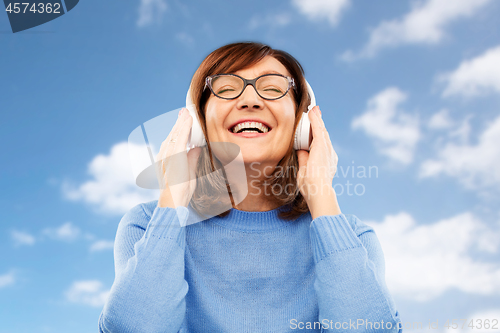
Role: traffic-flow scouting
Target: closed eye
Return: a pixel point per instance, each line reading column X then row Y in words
column 225, row 89
column 273, row 89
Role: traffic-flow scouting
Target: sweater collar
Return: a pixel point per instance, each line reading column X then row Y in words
column 253, row 221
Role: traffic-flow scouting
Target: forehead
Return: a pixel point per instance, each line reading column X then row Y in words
column 267, row 65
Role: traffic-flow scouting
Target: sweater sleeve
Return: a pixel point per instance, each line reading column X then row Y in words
column 148, row 294
column 350, row 279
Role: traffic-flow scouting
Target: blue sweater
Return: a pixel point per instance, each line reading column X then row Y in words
column 246, row 272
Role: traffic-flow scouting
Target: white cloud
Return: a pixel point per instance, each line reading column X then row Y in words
column 314, row 10
column 424, row 24
column 270, row 20
column 151, row 11
column 22, row 238
column 89, row 292
column 396, row 133
column 441, row 120
column 101, row 245
column 475, row 166
column 423, row 261
column 112, row 189
column 185, row 38
column 7, row 279
column 462, row 130
column 66, row 232
column 478, row 76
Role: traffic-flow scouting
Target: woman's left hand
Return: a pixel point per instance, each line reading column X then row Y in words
column 317, row 169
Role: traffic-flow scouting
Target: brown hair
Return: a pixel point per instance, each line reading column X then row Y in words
column 229, row 59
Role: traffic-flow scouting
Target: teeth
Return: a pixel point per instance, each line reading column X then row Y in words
column 250, row 124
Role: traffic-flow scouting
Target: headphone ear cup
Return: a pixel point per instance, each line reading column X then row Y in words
column 302, row 133
column 196, row 137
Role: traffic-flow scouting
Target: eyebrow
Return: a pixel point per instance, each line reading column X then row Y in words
column 271, row 72
column 268, row 72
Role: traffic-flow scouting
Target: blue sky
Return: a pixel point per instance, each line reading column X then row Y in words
column 409, row 88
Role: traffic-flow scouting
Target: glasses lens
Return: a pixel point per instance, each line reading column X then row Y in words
column 227, row 86
column 272, row 86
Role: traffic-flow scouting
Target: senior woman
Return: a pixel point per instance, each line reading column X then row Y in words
column 274, row 262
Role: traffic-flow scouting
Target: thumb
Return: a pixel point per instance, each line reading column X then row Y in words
column 192, row 156
column 302, row 157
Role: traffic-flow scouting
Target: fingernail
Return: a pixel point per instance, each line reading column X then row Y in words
column 180, row 112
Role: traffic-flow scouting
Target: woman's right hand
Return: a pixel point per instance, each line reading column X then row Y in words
column 177, row 167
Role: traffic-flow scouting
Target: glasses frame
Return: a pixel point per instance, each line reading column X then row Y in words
column 208, row 83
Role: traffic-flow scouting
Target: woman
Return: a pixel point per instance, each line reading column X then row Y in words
column 274, row 262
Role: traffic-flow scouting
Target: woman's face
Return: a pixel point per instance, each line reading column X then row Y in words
column 278, row 115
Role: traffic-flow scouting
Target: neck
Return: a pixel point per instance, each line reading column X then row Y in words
column 256, row 204
column 258, row 197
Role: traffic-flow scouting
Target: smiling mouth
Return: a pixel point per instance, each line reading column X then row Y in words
column 250, row 127
column 249, row 130
column 249, row 133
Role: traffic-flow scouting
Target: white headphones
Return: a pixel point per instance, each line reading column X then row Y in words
column 301, row 140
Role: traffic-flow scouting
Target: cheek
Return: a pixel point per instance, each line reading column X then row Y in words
column 211, row 126
column 289, row 116
column 290, row 122
column 214, row 121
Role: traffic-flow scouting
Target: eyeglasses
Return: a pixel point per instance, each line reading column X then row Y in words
column 267, row 86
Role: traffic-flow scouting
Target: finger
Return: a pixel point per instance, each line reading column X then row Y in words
column 315, row 119
column 317, row 125
column 180, row 135
column 323, row 130
column 178, row 122
column 320, row 117
column 183, row 133
column 172, row 134
column 302, row 157
column 176, row 151
column 192, row 156
column 322, row 124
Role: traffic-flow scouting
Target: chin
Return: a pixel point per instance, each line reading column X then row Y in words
column 258, row 159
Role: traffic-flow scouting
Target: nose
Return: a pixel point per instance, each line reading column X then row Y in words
column 249, row 99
